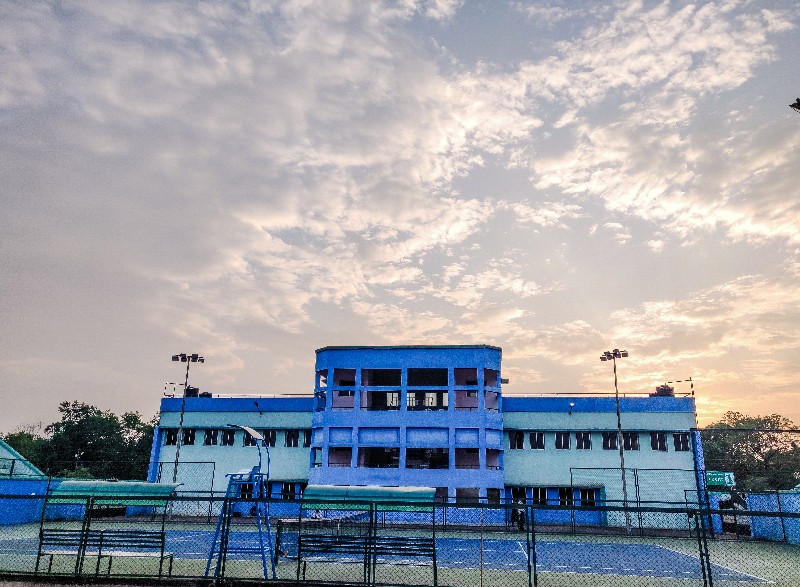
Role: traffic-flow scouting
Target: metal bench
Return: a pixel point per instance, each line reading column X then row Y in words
column 104, row 544
column 369, row 548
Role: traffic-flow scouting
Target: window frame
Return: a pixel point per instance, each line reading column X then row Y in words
column 681, row 442
column 658, row 441
column 537, row 440
column 583, row 441
column 563, row 440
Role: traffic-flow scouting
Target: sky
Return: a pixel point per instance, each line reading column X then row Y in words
column 252, row 181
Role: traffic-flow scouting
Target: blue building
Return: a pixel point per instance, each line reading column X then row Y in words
column 435, row 416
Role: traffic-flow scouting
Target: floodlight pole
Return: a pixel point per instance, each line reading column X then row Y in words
column 188, row 359
column 613, row 356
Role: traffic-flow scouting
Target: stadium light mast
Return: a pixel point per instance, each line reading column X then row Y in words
column 796, row 105
column 613, row 356
column 188, row 359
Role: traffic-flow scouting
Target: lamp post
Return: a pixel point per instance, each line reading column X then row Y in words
column 188, row 359
column 613, row 356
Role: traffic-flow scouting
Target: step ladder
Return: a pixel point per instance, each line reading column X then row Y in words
column 248, row 490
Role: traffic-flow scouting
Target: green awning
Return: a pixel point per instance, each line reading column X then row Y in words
column 116, row 493
column 321, row 497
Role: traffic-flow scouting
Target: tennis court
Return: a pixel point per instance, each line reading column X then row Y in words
column 552, row 556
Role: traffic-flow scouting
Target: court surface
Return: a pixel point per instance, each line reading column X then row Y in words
column 552, row 556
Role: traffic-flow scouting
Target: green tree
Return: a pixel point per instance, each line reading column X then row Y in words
column 87, row 441
column 29, row 442
column 762, row 451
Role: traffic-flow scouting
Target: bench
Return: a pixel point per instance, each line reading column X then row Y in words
column 104, row 544
column 369, row 548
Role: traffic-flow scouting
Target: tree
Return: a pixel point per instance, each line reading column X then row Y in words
column 89, row 442
column 762, row 451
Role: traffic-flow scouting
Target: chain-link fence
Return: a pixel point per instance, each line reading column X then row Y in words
column 375, row 543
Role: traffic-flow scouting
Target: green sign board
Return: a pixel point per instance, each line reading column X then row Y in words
column 724, row 478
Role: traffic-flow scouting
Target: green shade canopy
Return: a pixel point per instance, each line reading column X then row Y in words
column 411, row 499
column 116, row 493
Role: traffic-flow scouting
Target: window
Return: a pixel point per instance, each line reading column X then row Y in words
column 658, row 441
column 492, row 495
column 381, row 377
column 189, row 436
column 228, row 437
column 565, row 496
column 269, row 437
column 249, row 440
column 539, row 495
column 537, row 440
column 427, row 458
column 466, row 495
column 246, row 491
column 171, row 436
column 427, row 377
column 292, row 438
column 610, row 441
column 588, row 497
column 379, row 457
column 562, row 440
column 630, row 440
column 518, row 495
column 681, row 441
column 516, row 439
column 346, row 393
column 287, row 491
column 211, row 437
column 306, row 438
column 583, row 440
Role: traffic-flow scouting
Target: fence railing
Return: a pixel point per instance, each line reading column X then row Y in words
column 384, row 543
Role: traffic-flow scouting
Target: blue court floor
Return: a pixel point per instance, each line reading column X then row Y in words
column 552, row 556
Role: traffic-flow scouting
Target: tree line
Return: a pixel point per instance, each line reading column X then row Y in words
column 88, row 443
column 763, row 452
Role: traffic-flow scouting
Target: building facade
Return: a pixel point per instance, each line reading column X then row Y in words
column 435, row 416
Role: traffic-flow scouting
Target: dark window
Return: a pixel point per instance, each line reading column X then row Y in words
column 378, row 457
column 381, row 377
column 228, row 437
column 539, row 495
column 306, row 438
column 516, row 439
column 630, row 440
column 467, row 495
column 211, row 437
column 189, row 436
column 588, row 497
column 427, row 377
column 246, row 491
column 292, row 438
column 344, row 377
column 269, row 437
column 171, row 436
column 565, row 496
column 287, row 491
column 518, row 495
column 493, row 495
column 583, row 440
column 345, row 393
column 249, row 440
column 427, row 458
column 609, row 441
column 537, row 440
column 658, row 441
column 681, row 441
column 562, row 440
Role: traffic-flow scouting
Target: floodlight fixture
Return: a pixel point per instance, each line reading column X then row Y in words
column 613, row 356
column 796, row 105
